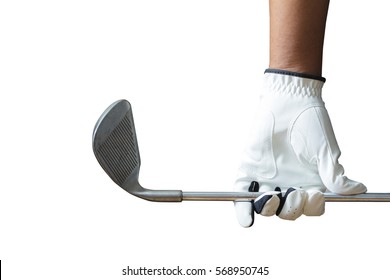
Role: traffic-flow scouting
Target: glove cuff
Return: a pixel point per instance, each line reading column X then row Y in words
column 287, row 83
column 295, row 74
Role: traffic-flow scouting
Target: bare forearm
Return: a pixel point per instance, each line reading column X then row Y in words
column 297, row 29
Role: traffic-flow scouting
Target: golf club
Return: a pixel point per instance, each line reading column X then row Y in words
column 116, row 149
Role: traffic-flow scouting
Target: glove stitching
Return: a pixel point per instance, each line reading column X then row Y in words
column 326, row 138
column 293, row 127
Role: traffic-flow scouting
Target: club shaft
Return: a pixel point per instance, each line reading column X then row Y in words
column 246, row 196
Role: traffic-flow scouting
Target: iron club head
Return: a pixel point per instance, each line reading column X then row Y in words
column 115, row 146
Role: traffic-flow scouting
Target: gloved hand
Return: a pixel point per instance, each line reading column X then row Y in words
column 292, row 143
column 291, row 205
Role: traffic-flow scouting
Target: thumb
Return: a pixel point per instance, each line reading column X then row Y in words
column 332, row 175
column 315, row 146
column 328, row 153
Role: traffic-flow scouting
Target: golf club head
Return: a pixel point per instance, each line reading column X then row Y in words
column 115, row 146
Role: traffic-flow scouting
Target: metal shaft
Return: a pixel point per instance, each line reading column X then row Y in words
column 245, row 196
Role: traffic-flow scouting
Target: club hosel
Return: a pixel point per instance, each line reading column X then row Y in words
column 160, row 195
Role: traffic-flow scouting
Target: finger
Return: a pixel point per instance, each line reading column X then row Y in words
column 244, row 213
column 244, row 209
column 267, row 204
column 315, row 203
column 292, row 204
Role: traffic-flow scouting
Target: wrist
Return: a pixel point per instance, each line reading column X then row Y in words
column 288, row 88
column 295, row 74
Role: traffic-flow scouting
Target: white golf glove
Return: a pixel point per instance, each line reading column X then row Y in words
column 292, row 145
column 291, row 205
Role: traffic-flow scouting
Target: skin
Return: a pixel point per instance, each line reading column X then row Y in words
column 297, row 30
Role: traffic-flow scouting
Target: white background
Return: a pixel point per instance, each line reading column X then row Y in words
column 192, row 70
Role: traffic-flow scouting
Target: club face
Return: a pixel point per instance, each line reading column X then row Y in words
column 115, row 145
